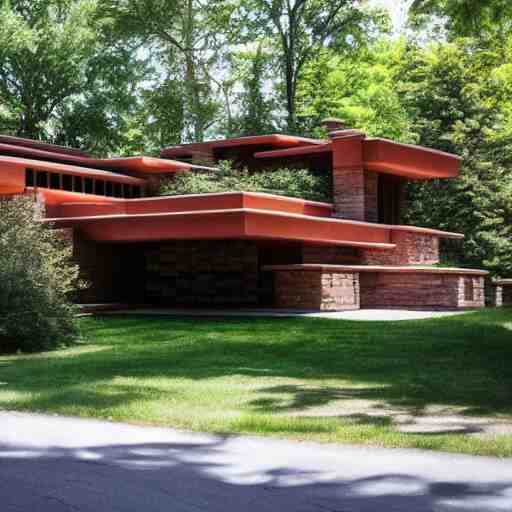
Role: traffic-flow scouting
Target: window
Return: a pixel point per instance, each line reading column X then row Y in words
column 77, row 184
column 29, row 177
column 67, row 183
column 42, row 179
column 74, row 183
column 88, row 189
column 469, row 289
column 55, row 181
column 99, row 188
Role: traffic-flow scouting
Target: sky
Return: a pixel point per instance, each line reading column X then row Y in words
column 397, row 9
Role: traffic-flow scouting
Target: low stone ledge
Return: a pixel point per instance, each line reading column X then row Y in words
column 376, row 269
column 337, row 287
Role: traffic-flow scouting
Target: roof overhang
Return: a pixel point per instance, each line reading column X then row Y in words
column 272, row 140
column 409, row 161
column 233, row 215
column 141, row 165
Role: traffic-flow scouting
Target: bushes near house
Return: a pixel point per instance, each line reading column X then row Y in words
column 300, row 183
column 37, row 277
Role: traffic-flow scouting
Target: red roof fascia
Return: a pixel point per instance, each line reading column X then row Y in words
column 410, row 161
column 275, row 140
column 65, row 168
column 36, row 144
column 324, row 147
column 139, row 164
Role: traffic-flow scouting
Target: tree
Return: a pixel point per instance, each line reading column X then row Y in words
column 458, row 103
column 42, row 52
column 255, row 106
column 61, row 79
column 187, row 34
column 299, row 29
column 468, row 17
column 37, row 278
column 359, row 88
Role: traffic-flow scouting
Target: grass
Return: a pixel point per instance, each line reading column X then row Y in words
column 314, row 379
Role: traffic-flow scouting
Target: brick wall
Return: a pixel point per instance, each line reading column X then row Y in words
column 371, row 196
column 329, row 255
column 316, row 290
column 421, row 291
column 355, row 194
column 500, row 295
column 206, row 272
column 411, row 249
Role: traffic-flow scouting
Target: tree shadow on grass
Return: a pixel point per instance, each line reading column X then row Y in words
column 460, row 361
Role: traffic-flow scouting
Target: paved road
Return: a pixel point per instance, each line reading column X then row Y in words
column 52, row 464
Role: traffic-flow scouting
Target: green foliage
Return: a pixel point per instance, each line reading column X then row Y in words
column 467, row 17
column 257, row 108
column 61, row 78
column 359, row 88
column 456, row 104
column 36, row 280
column 288, row 182
column 299, row 30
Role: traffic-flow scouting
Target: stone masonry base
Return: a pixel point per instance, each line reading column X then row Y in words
column 421, row 291
column 338, row 288
column 325, row 291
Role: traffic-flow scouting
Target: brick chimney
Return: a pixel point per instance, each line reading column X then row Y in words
column 332, row 124
column 355, row 189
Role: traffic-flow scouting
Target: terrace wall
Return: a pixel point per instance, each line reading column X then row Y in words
column 421, row 291
column 205, row 273
column 312, row 290
column 412, row 248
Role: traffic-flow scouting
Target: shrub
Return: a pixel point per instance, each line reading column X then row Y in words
column 300, row 183
column 37, row 277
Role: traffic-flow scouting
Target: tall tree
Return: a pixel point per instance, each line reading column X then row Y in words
column 468, row 17
column 359, row 88
column 300, row 28
column 61, row 78
column 42, row 55
column 185, row 32
column 457, row 99
column 255, row 102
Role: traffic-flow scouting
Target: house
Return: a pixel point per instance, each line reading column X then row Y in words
column 249, row 249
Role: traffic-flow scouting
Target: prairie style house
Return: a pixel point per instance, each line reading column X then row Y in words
column 248, row 249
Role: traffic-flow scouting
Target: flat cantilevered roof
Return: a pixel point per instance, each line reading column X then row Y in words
column 139, row 165
column 273, row 140
column 240, row 215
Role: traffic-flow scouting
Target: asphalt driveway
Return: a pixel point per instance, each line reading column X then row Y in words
column 56, row 464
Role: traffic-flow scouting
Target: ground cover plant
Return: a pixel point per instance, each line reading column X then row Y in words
column 441, row 384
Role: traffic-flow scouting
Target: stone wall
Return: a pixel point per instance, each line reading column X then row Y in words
column 355, row 194
column 316, row 290
column 205, row 273
column 329, row 255
column 421, row 291
column 412, row 248
column 500, row 294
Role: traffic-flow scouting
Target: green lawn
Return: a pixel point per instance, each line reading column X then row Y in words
column 325, row 380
